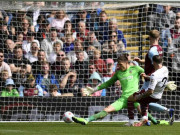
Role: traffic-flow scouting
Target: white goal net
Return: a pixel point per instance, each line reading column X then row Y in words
column 50, row 51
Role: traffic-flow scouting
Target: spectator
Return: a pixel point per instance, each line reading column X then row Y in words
column 20, row 77
column 56, row 50
column 36, row 66
column 99, row 63
column 47, row 44
column 101, row 26
column 92, row 68
column 4, row 75
column 19, row 39
column 68, row 45
column 54, row 91
column 90, row 51
column 93, row 82
column 9, row 91
column 44, row 79
column 82, row 31
column 16, row 22
column 17, row 60
column 4, row 65
column 8, row 49
column 56, row 67
column 68, row 30
column 66, row 67
column 175, row 31
column 44, row 30
column 113, row 26
column 30, row 88
column 81, row 16
column 59, row 20
column 92, row 40
column 32, row 55
column 81, row 67
column 111, row 51
column 77, row 47
column 166, row 22
column 107, row 76
column 26, row 46
column 70, row 85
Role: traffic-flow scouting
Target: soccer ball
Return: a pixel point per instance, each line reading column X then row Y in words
column 67, row 117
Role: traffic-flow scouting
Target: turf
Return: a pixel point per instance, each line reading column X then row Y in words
column 54, row 128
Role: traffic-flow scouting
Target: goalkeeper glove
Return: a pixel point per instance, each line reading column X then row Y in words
column 171, row 86
column 89, row 90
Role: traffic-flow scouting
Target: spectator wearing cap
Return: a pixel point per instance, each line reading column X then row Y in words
column 18, row 60
column 32, row 55
column 26, row 46
column 30, row 88
column 4, row 65
column 59, row 20
column 56, row 50
column 9, row 91
column 47, row 44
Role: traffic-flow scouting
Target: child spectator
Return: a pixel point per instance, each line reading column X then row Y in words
column 4, row 75
column 93, row 82
column 68, row 30
column 68, row 45
column 54, row 91
column 9, row 91
column 30, row 88
column 99, row 63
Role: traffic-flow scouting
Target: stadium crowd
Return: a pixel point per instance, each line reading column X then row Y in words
column 54, row 53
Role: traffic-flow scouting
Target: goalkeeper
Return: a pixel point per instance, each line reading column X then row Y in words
column 129, row 78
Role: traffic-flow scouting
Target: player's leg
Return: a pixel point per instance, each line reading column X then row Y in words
column 116, row 106
column 160, row 108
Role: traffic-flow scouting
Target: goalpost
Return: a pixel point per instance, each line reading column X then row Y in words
column 134, row 19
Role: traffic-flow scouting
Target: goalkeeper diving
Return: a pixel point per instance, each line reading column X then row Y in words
column 129, row 77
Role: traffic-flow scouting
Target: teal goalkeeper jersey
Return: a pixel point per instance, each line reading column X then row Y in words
column 129, row 80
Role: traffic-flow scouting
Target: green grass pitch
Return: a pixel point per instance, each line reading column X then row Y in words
column 95, row 128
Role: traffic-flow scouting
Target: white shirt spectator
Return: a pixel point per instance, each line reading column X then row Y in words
column 72, row 56
column 30, row 57
column 52, row 57
column 5, row 66
column 26, row 46
column 59, row 24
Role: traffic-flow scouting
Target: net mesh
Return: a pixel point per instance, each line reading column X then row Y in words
column 55, row 49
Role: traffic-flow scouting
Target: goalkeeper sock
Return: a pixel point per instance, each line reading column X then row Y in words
column 97, row 116
column 152, row 119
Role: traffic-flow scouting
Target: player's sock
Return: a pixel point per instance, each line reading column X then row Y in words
column 99, row 115
column 152, row 119
column 157, row 107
